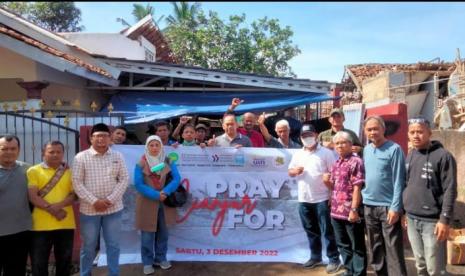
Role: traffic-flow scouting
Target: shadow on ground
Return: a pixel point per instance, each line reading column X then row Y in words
column 249, row 269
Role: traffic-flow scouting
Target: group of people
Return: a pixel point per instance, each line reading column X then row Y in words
column 343, row 197
column 345, row 191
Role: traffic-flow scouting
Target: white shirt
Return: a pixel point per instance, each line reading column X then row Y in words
column 311, row 188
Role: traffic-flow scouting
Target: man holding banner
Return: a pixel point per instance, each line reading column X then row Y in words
column 310, row 166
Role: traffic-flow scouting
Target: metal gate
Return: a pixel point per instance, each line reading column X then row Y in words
column 33, row 130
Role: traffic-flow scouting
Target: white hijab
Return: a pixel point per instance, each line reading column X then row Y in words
column 154, row 160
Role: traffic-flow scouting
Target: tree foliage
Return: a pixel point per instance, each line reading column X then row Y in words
column 184, row 14
column 140, row 12
column 53, row 16
column 263, row 48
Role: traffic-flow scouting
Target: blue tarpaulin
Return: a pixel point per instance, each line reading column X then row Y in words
column 140, row 107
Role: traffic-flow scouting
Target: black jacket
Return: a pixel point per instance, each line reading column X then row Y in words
column 431, row 186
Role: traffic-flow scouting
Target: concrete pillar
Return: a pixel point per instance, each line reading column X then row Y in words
column 34, row 93
column 33, row 88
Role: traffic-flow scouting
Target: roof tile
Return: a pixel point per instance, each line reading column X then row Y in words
column 365, row 71
column 14, row 34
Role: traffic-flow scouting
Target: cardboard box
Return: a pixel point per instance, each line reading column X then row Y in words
column 456, row 247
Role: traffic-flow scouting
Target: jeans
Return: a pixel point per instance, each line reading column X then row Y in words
column 13, row 253
column 90, row 227
column 350, row 239
column 385, row 242
column 316, row 222
column 155, row 241
column 430, row 257
column 41, row 246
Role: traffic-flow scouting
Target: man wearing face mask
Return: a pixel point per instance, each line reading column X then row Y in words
column 311, row 166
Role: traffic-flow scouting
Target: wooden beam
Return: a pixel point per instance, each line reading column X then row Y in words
column 148, row 81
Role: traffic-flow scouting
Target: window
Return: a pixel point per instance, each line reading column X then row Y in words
column 149, row 55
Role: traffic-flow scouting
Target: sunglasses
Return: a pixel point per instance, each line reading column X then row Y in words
column 419, row 121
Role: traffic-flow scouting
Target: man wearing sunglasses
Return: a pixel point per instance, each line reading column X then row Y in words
column 429, row 196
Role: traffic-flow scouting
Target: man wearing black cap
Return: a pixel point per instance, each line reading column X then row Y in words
column 100, row 179
column 336, row 119
column 311, row 166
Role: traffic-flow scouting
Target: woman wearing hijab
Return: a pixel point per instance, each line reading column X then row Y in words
column 152, row 216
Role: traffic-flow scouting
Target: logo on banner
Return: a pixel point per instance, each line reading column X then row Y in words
column 279, row 161
column 194, row 158
column 215, row 158
column 173, row 156
column 239, row 159
column 258, row 162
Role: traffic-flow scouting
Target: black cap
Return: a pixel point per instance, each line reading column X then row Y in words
column 307, row 128
column 99, row 127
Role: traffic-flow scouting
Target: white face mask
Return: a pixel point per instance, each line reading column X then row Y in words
column 308, row 141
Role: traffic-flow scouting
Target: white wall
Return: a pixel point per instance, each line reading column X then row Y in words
column 110, row 45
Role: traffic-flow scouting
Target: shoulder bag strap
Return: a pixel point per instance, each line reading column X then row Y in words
column 54, row 180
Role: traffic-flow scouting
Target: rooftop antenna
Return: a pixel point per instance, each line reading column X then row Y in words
column 124, row 22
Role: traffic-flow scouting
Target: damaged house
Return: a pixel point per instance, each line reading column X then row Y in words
column 422, row 86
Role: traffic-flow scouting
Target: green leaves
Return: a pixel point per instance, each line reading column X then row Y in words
column 140, row 12
column 184, row 14
column 53, row 16
column 262, row 48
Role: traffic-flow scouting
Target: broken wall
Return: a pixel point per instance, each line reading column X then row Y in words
column 454, row 141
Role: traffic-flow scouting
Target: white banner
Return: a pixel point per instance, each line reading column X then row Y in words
column 242, row 206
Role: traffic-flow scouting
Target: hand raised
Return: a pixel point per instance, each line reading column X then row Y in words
column 261, row 119
column 183, row 120
column 212, row 141
column 236, row 101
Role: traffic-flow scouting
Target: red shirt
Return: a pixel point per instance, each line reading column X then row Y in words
column 255, row 137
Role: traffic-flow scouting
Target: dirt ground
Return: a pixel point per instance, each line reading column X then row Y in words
column 248, row 269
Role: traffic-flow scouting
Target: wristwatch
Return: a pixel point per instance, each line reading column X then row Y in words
column 354, row 209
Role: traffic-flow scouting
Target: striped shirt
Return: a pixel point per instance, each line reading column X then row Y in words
column 99, row 176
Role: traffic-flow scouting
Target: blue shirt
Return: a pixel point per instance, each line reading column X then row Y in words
column 384, row 175
column 150, row 192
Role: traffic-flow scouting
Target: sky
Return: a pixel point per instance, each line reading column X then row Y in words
column 330, row 35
